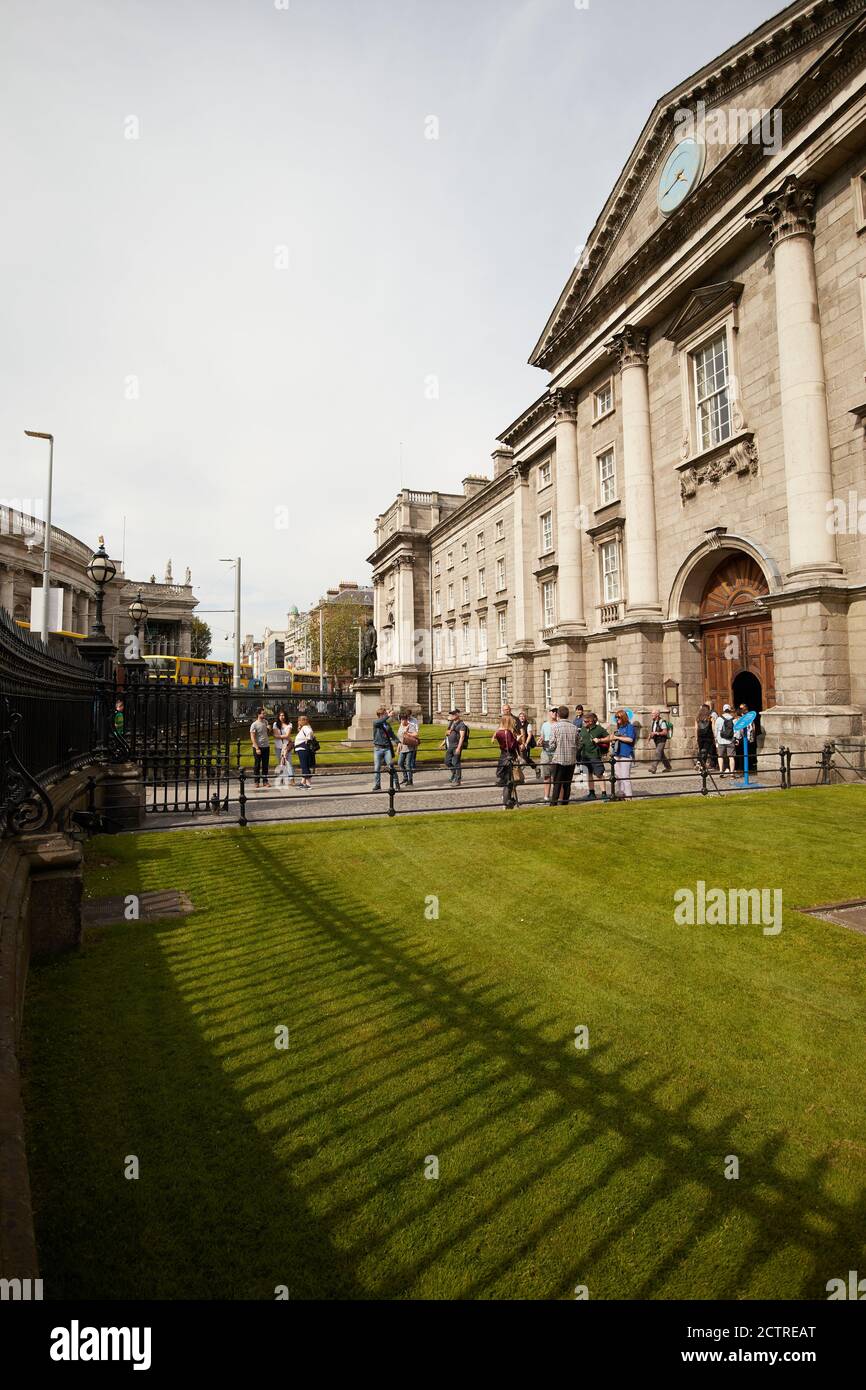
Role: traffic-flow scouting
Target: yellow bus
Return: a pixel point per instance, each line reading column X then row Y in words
column 193, row 670
column 292, row 681
column 53, row 632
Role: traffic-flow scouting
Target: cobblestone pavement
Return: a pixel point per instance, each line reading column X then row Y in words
column 336, row 795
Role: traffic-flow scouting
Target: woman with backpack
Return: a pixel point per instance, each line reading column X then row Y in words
column 725, row 740
column 306, row 746
column 509, row 757
column 705, row 736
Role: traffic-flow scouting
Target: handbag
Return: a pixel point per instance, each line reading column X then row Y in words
column 313, row 744
column 410, row 740
column 517, row 773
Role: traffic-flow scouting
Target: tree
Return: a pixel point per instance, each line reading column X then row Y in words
column 200, row 639
column 340, row 629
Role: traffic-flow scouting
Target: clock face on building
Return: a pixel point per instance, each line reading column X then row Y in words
column 683, row 167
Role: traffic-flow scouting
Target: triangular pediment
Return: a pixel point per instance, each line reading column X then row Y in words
column 702, row 305
column 766, row 69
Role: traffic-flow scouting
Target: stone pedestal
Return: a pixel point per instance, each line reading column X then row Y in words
column 368, row 697
column 56, row 886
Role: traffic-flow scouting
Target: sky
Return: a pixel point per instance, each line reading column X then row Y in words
column 264, row 262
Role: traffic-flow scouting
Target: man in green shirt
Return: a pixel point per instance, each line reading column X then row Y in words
column 594, row 748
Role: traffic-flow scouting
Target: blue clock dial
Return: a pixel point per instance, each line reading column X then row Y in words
column 682, row 169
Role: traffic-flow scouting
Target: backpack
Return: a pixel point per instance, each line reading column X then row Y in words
column 313, row 744
column 465, row 737
column 727, row 728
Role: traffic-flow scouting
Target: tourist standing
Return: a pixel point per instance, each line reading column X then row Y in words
column 565, row 743
column 509, row 752
column 547, row 734
column 455, row 742
column 407, row 748
column 705, row 735
column 594, row 747
column 261, row 741
column 305, row 747
column 282, row 732
column 525, row 732
column 577, row 721
column 725, row 740
column 383, row 748
column 661, row 730
column 623, row 751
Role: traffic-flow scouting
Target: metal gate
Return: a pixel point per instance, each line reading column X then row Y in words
column 181, row 736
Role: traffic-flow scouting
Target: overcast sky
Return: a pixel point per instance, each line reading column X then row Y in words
column 237, row 323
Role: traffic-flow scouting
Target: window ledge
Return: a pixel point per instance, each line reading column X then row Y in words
column 603, row 506
column 598, row 419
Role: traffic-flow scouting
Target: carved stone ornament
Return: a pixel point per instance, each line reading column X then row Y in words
column 629, row 346
column 740, row 458
column 790, row 211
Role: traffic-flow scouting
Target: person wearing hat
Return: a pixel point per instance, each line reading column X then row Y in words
column 547, row 735
column 725, row 739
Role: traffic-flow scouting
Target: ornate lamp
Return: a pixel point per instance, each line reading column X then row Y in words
column 101, row 571
column 138, row 611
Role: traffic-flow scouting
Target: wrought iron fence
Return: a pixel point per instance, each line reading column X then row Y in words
column 55, row 716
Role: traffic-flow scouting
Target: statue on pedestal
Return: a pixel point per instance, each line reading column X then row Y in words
column 168, row 578
column 369, row 650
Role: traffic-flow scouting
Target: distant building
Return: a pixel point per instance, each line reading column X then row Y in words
column 170, row 606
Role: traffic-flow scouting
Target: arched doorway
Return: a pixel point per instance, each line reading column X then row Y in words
column 737, row 636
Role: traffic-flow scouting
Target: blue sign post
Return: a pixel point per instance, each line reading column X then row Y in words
column 743, row 723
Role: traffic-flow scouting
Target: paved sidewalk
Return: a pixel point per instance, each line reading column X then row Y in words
column 336, row 795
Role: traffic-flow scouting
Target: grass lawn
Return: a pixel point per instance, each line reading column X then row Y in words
column 332, row 754
column 455, row 1037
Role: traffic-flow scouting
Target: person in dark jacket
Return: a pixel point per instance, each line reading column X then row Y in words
column 383, row 748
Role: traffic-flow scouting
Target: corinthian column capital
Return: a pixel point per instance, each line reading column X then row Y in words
column 564, row 406
column 629, row 346
column 789, row 211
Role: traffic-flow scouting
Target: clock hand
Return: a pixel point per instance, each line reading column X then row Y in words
column 679, row 176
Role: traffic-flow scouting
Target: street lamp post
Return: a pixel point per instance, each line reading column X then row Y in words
column 236, row 664
column 96, row 647
column 138, row 612
column 46, row 547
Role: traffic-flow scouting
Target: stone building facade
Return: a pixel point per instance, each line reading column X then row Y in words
column 682, row 512
column 170, row 606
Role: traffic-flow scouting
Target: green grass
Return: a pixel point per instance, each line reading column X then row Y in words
column 455, row 1038
column 333, row 755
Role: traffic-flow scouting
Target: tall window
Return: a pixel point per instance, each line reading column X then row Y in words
column 464, row 550
column 464, row 590
column 547, row 690
column 437, row 565
column 606, row 477
column 611, row 687
column 450, row 643
column 543, row 474
column 502, row 627
column 482, row 583
column 610, row 585
column 548, row 602
column 483, row 697
column 499, row 533
column 451, row 699
column 467, row 647
column 603, row 400
column 546, row 525
column 712, row 404
column 449, row 560
column 500, row 574
column 450, row 595
column 503, row 691
column 437, row 603
column 479, row 541
column 466, row 697
column 438, row 699
column 437, row 644
column 482, row 635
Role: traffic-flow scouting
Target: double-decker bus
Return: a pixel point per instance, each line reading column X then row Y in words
column 193, row 670
column 292, row 681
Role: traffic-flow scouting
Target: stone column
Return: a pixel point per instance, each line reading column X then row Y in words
column 84, row 613
column 789, row 215
column 67, row 609
column 7, row 590
column 569, row 584
column 405, row 610
column 522, row 619
column 630, row 349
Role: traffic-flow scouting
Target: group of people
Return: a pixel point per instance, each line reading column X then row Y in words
column 301, row 742
column 720, row 742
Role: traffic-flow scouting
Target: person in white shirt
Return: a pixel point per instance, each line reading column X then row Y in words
column 723, row 728
column 303, row 739
column 282, row 736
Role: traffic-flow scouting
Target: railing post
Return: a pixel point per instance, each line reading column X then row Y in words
column 612, row 777
column 704, row 776
column 392, row 810
column 242, row 797
column 783, row 782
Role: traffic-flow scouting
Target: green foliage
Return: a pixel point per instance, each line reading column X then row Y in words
column 201, row 639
